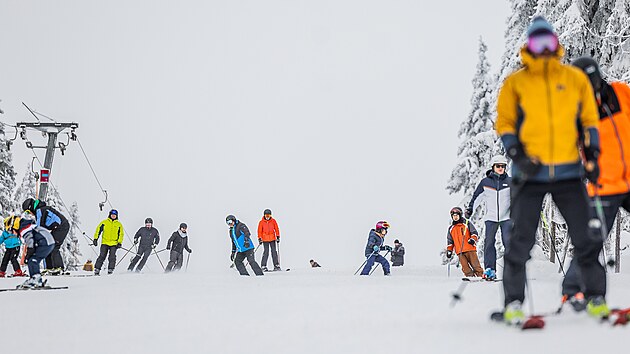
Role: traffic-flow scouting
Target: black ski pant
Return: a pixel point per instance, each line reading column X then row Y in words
column 249, row 254
column 144, row 251
column 41, row 252
column 573, row 283
column 489, row 251
column 570, row 197
column 10, row 255
column 176, row 261
column 274, row 254
column 54, row 259
column 111, row 259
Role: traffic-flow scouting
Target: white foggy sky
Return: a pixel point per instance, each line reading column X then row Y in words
column 334, row 114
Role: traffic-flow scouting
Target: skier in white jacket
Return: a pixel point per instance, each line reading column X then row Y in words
column 494, row 192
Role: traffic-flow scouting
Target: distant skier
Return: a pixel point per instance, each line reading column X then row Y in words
column 242, row 246
column 12, row 243
column 112, row 231
column 375, row 244
column 494, row 192
column 613, row 183
column 269, row 236
column 177, row 244
column 314, row 264
column 461, row 238
column 39, row 243
column 398, row 254
column 54, row 221
column 149, row 238
column 545, row 110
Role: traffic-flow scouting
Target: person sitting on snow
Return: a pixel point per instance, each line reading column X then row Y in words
column 462, row 239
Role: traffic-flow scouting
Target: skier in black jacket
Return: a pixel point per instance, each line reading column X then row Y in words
column 149, row 238
column 398, row 254
column 177, row 243
column 52, row 220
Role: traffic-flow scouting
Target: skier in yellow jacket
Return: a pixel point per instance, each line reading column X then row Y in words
column 545, row 111
column 112, row 231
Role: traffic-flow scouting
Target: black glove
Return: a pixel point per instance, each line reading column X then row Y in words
column 232, row 256
column 190, row 250
column 119, row 245
column 449, row 254
column 387, row 248
column 527, row 166
column 95, row 242
column 168, row 247
column 468, row 213
column 591, row 155
column 278, row 239
column 471, row 241
column 30, row 252
column 153, row 245
column 135, row 241
column 259, row 241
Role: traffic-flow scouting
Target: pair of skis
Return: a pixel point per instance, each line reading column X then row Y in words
column 45, row 287
column 617, row 317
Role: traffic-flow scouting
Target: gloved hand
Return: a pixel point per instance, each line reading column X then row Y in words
column 135, row 241
column 168, row 247
column 387, row 248
column 526, row 165
column 232, row 256
column 468, row 213
column 278, row 239
column 376, row 249
column 259, row 241
column 95, row 242
column 190, row 250
column 471, row 241
column 247, row 244
column 449, row 254
column 119, row 245
column 153, row 245
column 592, row 175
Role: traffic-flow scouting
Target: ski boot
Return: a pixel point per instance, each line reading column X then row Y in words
column 97, row 271
column 489, row 274
column 55, row 271
column 576, row 301
column 513, row 314
column 3, row 274
column 18, row 273
column 35, row 281
column 264, row 268
column 276, row 268
column 597, row 307
column 110, row 271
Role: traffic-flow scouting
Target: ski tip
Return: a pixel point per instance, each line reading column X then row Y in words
column 534, row 322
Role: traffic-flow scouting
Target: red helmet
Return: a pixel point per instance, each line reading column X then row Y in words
column 382, row 225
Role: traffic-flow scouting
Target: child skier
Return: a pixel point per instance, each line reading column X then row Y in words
column 374, row 246
column 462, row 238
column 39, row 243
column 12, row 246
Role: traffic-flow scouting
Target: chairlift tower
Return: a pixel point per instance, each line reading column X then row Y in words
column 52, row 130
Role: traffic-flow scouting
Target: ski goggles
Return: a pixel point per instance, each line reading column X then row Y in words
column 500, row 165
column 537, row 44
column 229, row 222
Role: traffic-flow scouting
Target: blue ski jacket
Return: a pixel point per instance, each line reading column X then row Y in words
column 373, row 240
column 240, row 236
column 10, row 240
column 49, row 218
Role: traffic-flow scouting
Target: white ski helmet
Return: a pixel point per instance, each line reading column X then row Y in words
column 498, row 159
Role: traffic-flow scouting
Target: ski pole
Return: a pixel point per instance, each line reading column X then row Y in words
column 123, row 257
column 256, row 249
column 603, row 228
column 385, row 256
column 366, row 259
column 158, row 257
column 187, row 260
column 553, row 243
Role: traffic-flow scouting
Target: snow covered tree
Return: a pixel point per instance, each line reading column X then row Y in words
column 616, row 43
column 479, row 140
column 70, row 252
column 7, row 176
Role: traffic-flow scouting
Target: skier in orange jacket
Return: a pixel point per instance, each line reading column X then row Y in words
column 462, row 238
column 269, row 236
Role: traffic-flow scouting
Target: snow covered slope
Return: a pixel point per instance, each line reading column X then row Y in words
column 301, row 311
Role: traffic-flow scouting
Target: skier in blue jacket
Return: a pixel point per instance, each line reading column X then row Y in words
column 494, row 192
column 12, row 243
column 374, row 246
column 242, row 246
column 55, row 222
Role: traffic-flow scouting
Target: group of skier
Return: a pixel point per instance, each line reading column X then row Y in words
column 558, row 123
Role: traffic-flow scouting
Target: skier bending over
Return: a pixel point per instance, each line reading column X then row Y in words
column 177, row 243
column 374, row 246
column 242, row 246
column 39, row 243
column 462, row 238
